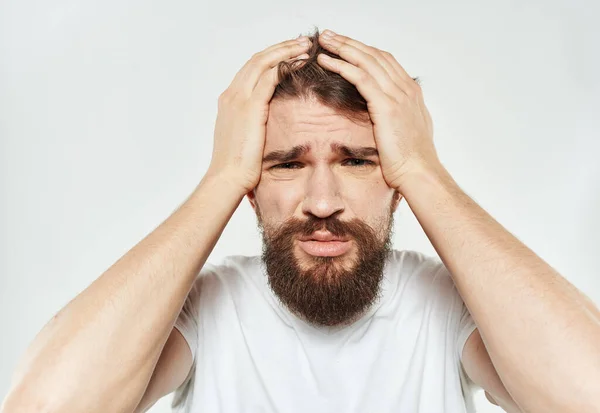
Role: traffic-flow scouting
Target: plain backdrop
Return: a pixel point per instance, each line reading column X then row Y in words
column 107, row 111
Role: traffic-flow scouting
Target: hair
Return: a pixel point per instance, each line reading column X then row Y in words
column 307, row 79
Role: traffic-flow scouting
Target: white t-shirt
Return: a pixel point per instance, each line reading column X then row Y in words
column 251, row 354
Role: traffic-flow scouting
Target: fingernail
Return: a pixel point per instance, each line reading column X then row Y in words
column 328, row 34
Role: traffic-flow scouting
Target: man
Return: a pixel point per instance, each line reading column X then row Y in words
column 329, row 318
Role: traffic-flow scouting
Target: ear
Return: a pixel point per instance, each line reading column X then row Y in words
column 252, row 199
column 396, row 200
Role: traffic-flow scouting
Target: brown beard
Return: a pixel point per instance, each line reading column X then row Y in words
column 326, row 293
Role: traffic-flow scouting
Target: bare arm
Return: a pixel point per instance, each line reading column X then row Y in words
column 173, row 366
column 98, row 353
column 540, row 331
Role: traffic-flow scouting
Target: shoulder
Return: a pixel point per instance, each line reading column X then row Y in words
column 414, row 260
column 424, row 275
column 229, row 273
column 230, row 266
column 418, row 266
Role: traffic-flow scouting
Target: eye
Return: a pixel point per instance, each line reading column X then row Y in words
column 359, row 162
column 287, row 165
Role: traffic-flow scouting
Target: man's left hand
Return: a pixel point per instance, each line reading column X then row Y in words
column 401, row 122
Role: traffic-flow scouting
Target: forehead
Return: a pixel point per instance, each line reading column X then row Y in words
column 294, row 122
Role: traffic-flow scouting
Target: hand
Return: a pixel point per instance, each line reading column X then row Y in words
column 401, row 122
column 242, row 115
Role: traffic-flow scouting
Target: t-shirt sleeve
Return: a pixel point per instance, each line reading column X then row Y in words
column 462, row 322
column 187, row 321
column 465, row 329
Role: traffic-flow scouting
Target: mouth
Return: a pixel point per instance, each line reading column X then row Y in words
column 324, row 244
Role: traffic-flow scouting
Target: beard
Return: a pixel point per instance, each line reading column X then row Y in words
column 327, row 291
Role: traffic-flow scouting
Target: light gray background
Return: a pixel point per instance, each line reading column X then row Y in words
column 107, row 112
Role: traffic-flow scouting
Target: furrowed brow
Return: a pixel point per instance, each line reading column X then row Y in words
column 354, row 151
column 286, row 155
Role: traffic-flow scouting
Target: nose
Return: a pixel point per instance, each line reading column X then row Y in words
column 322, row 197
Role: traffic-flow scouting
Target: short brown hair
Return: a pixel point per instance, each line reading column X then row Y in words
column 308, row 79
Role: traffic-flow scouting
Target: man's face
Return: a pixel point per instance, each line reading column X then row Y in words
column 324, row 210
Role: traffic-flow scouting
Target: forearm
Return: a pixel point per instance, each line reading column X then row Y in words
column 542, row 334
column 99, row 351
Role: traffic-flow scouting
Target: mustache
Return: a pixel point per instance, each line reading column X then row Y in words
column 331, row 224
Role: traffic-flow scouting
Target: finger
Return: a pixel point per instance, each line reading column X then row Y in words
column 379, row 55
column 247, row 67
column 301, row 57
column 263, row 92
column 366, row 84
column 411, row 87
column 246, row 79
column 406, row 78
column 363, row 60
column 279, row 45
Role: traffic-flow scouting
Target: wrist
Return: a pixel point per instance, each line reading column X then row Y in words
column 224, row 181
column 223, row 184
column 421, row 173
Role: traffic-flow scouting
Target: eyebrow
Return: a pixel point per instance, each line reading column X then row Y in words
column 299, row 150
column 286, row 155
column 354, row 151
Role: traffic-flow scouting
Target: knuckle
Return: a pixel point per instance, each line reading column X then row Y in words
column 372, row 58
column 371, row 50
column 374, row 51
column 256, row 59
column 364, row 77
column 224, row 97
column 413, row 91
column 339, row 50
column 417, row 90
column 387, row 55
column 410, row 93
column 260, row 61
column 285, row 51
column 229, row 98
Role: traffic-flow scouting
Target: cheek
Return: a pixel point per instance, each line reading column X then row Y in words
column 279, row 200
column 371, row 202
column 369, row 194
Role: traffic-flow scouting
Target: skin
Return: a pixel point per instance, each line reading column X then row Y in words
column 535, row 332
column 323, row 181
column 539, row 332
column 97, row 354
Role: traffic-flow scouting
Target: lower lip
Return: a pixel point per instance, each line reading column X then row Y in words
column 325, row 248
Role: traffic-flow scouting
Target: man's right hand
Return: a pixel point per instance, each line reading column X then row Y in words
column 242, row 115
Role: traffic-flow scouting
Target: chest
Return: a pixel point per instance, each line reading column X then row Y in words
column 381, row 365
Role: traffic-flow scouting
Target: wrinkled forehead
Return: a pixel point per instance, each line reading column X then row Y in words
column 293, row 122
